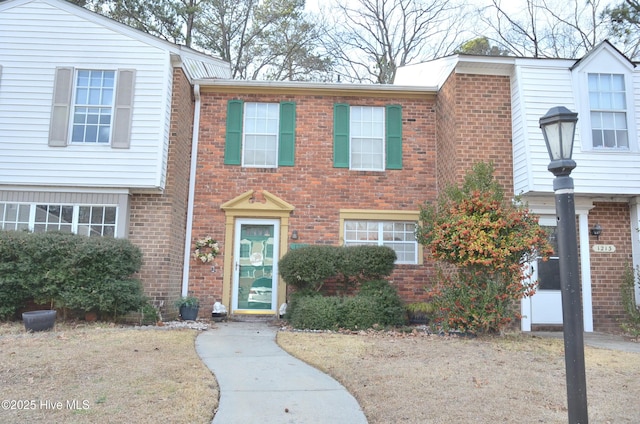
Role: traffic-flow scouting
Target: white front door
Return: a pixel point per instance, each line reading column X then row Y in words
column 255, row 258
column 546, row 304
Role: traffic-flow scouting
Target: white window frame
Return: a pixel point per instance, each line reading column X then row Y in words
column 368, row 133
column 56, row 224
column 101, row 107
column 613, row 110
column 378, row 216
column 264, row 126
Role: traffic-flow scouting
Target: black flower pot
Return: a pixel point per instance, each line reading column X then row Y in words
column 189, row 313
column 39, row 320
column 218, row 316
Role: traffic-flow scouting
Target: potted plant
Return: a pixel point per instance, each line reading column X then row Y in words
column 420, row 312
column 188, row 307
column 45, row 293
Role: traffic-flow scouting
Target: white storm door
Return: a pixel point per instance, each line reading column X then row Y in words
column 255, row 258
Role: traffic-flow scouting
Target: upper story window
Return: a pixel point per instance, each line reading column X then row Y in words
column 260, row 135
column 608, row 111
column 367, row 138
column 261, row 124
column 93, row 106
column 88, row 220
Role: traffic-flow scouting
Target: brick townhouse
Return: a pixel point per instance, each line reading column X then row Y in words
column 265, row 167
column 283, row 164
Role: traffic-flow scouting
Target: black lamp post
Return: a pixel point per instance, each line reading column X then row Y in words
column 558, row 127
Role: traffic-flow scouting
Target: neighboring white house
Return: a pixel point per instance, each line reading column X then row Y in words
column 87, row 127
column 604, row 89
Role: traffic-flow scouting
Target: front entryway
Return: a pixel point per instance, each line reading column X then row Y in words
column 546, row 304
column 255, row 262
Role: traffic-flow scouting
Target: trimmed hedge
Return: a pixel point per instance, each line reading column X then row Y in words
column 315, row 313
column 310, row 267
column 62, row 270
column 377, row 303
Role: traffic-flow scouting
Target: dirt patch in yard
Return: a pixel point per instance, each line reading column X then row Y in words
column 419, row 378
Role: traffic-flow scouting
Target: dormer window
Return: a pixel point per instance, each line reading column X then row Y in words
column 608, row 111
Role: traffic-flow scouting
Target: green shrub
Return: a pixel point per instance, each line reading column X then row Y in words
column 420, row 312
column 367, row 262
column 631, row 323
column 68, row 271
column 316, row 313
column 376, row 303
column 488, row 238
column 308, row 267
column 477, row 303
column 13, row 254
column 295, row 297
column 358, row 313
column 389, row 305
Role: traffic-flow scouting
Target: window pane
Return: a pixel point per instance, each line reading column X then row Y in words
column 367, row 138
column 597, row 138
column 607, row 100
column 14, row 216
column 617, row 82
column 621, row 139
column 261, row 126
column 398, row 235
column 9, row 212
column 93, row 88
column 96, row 215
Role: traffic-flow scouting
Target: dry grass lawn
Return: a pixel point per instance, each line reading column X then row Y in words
column 102, row 374
column 98, row 373
column 430, row 379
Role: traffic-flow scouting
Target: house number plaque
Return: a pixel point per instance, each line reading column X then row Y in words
column 604, row 248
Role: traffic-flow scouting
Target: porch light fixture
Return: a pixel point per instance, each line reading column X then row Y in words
column 596, row 231
column 558, row 127
column 294, row 235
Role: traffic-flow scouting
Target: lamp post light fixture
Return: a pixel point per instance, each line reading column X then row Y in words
column 558, row 127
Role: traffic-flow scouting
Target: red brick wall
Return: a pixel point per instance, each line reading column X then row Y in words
column 474, row 124
column 607, row 268
column 316, row 189
column 158, row 221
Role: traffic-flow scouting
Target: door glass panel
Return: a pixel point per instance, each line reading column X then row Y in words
column 549, row 270
column 255, row 279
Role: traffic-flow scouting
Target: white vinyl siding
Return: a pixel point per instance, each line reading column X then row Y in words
column 542, row 85
column 30, row 57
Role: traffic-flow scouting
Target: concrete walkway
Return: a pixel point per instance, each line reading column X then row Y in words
column 599, row 340
column 261, row 383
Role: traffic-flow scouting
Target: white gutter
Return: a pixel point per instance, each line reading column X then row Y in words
column 192, row 190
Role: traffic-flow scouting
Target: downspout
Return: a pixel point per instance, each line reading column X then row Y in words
column 192, row 190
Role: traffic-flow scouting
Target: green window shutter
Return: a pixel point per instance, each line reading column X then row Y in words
column 340, row 135
column 287, row 145
column 394, row 136
column 233, row 142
